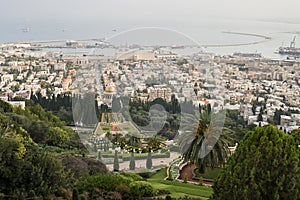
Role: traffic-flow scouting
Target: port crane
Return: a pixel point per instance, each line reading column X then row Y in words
column 293, row 43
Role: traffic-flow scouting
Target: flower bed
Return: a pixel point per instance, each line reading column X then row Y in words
column 173, row 169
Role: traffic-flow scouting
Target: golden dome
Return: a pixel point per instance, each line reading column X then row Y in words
column 109, row 89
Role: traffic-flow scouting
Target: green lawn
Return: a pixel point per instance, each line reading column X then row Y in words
column 179, row 189
column 104, row 129
column 129, row 128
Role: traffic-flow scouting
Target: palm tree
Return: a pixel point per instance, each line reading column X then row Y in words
column 132, row 142
column 206, row 145
column 108, row 135
column 118, row 140
column 155, row 143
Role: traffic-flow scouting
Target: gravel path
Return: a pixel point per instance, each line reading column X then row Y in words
column 141, row 164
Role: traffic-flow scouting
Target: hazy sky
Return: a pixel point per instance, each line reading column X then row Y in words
column 146, row 10
column 87, row 18
column 203, row 20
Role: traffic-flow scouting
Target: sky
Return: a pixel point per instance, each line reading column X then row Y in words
column 146, row 10
column 53, row 19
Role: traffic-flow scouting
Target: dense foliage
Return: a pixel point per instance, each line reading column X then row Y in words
column 121, row 186
column 27, row 170
column 264, row 166
column 43, row 127
column 296, row 135
column 39, row 155
column 139, row 113
column 29, row 174
column 60, row 105
column 39, row 158
column 235, row 126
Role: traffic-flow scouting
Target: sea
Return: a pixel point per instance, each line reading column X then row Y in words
column 203, row 32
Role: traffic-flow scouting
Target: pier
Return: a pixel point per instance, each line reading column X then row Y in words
column 103, row 44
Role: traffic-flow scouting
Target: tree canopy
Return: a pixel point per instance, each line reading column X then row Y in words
column 264, row 166
column 26, row 169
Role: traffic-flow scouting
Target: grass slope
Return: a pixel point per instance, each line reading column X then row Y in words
column 179, row 189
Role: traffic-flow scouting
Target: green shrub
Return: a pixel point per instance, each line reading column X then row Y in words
column 185, row 178
column 133, row 176
column 112, row 196
column 124, row 190
column 168, row 197
column 146, row 174
column 200, row 180
column 105, row 182
column 129, row 185
column 140, row 189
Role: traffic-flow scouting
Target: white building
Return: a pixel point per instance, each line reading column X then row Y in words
column 7, row 77
column 17, row 104
column 160, row 91
column 61, row 66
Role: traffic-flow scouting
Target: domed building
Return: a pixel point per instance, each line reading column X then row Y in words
column 108, row 95
column 110, row 89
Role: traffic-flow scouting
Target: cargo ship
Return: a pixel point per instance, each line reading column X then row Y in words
column 291, row 50
column 250, row 55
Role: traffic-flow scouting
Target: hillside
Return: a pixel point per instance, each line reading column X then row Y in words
column 39, row 156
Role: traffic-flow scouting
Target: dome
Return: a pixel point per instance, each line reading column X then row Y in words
column 109, row 89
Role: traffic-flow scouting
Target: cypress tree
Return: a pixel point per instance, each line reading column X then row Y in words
column 75, row 195
column 149, row 160
column 116, row 161
column 132, row 161
column 99, row 157
column 265, row 165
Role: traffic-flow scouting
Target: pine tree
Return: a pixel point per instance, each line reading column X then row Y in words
column 265, row 165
